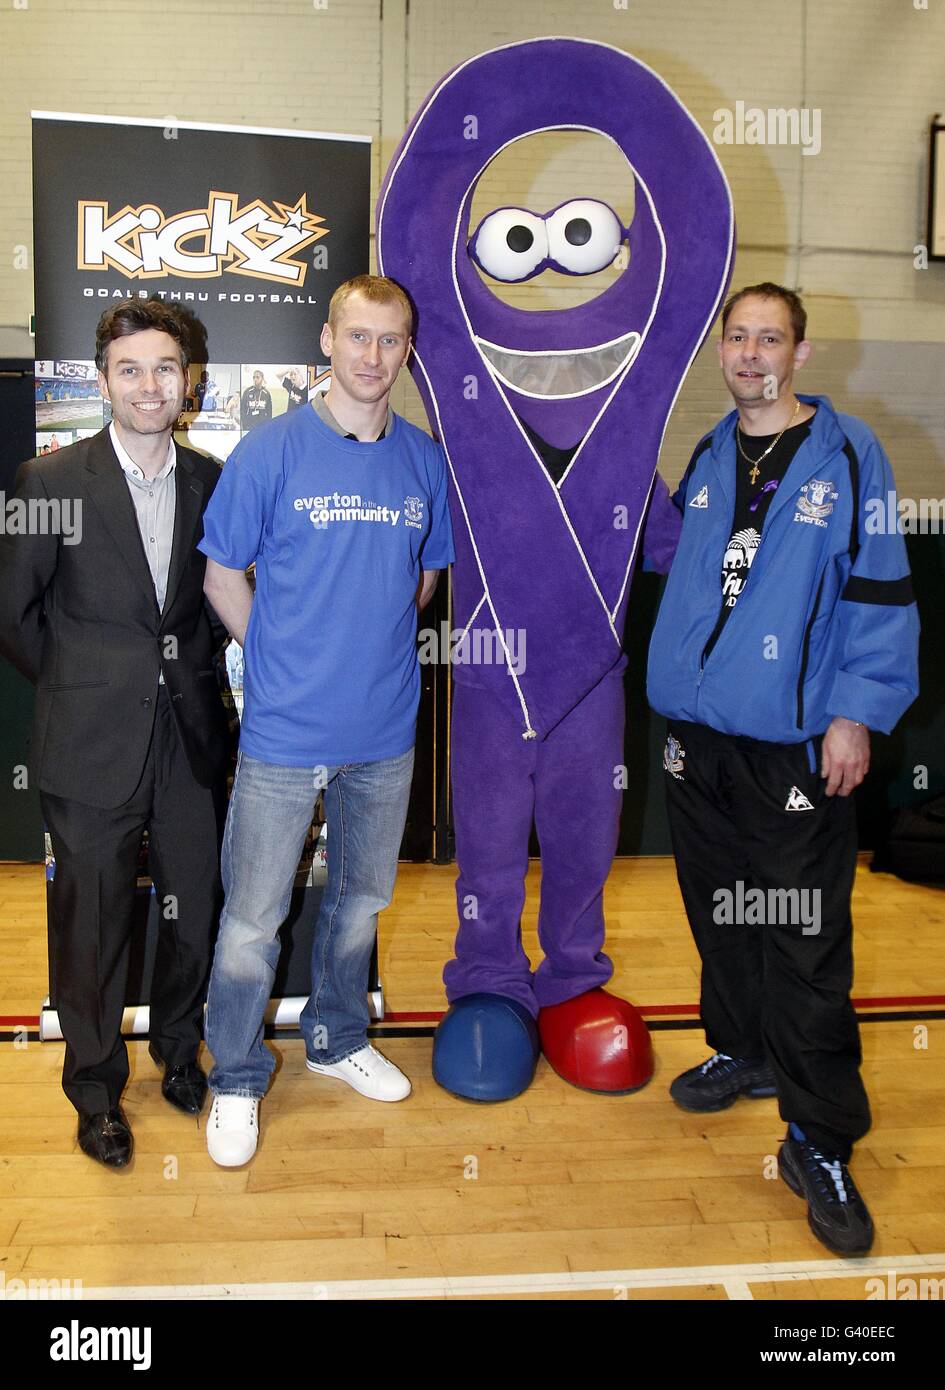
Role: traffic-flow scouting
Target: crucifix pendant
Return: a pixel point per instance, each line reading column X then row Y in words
column 753, row 475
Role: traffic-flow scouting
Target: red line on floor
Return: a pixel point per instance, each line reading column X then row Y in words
column 429, row 1017
column 881, row 1001
column 660, row 1010
column 669, row 1009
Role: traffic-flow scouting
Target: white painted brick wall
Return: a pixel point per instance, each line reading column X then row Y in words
column 841, row 225
column 237, row 62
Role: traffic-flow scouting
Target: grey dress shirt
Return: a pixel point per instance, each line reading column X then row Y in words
column 155, row 504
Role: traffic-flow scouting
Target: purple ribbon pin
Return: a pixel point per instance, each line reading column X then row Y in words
column 768, row 487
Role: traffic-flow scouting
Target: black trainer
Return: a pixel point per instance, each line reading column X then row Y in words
column 717, row 1083
column 836, row 1212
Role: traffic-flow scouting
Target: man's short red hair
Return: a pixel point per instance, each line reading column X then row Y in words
column 377, row 289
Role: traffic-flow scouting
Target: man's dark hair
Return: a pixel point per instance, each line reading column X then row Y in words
column 768, row 290
column 136, row 316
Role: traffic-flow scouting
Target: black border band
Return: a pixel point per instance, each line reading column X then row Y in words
column 896, row 593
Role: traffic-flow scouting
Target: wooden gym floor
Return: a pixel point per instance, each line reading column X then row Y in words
column 559, row 1194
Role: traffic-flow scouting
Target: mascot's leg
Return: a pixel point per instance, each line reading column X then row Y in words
column 592, row 1038
column 486, row 1047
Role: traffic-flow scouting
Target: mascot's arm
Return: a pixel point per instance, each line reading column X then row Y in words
column 661, row 532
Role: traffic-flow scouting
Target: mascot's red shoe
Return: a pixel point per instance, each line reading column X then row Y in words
column 598, row 1042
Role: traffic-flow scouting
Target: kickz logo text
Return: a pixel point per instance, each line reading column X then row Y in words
column 255, row 240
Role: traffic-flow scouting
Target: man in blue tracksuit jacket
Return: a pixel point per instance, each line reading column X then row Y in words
column 787, row 631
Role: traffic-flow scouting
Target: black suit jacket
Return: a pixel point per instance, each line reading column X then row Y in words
column 81, row 621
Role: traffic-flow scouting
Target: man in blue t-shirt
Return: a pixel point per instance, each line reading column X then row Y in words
column 342, row 506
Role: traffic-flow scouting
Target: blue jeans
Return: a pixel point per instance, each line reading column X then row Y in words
column 269, row 816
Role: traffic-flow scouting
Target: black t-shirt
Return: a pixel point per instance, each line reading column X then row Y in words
column 752, row 500
column 555, row 460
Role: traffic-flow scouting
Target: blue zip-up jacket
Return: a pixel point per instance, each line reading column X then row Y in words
column 826, row 623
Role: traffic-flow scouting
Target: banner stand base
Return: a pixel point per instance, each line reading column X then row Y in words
column 136, row 1019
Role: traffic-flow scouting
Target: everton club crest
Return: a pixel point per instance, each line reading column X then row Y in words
column 673, row 755
column 815, row 502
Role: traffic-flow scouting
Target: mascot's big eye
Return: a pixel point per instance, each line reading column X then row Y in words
column 583, row 236
column 510, row 244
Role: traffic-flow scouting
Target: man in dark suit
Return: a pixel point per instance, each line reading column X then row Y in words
column 107, row 618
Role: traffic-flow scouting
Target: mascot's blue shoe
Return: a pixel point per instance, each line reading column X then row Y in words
column 486, row 1048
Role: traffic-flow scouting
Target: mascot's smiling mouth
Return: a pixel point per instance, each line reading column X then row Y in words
column 560, row 374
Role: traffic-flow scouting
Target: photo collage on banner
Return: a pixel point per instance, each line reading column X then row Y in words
column 69, row 404
column 225, row 400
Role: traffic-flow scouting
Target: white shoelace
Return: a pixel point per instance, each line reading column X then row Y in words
column 835, row 1170
column 223, row 1112
column 717, row 1057
column 375, row 1058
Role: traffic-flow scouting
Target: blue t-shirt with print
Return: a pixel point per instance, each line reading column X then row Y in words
column 339, row 531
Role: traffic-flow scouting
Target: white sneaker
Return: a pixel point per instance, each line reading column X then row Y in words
column 232, row 1130
column 370, row 1074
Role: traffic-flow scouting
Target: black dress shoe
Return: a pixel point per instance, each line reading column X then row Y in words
column 184, row 1087
column 106, row 1137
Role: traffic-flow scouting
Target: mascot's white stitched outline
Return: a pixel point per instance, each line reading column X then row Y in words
column 529, row 731
column 632, row 349
column 618, row 380
column 473, row 616
column 721, row 290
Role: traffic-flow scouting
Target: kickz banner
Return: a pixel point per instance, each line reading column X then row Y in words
column 251, row 230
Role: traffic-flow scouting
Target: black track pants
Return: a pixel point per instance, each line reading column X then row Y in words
column 766, row 861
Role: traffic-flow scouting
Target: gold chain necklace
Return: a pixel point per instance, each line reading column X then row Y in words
column 755, row 471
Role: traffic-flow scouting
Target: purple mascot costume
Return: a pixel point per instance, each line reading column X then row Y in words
column 552, row 423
